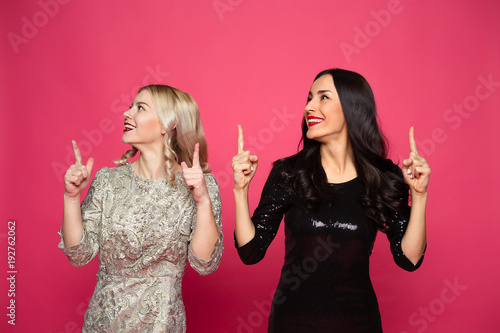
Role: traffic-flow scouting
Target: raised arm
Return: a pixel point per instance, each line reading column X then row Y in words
column 76, row 180
column 416, row 172
column 244, row 168
column 206, row 232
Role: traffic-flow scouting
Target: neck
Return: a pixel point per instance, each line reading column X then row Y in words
column 337, row 160
column 151, row 165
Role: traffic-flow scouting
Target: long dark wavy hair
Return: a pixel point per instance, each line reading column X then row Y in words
column 384, row 190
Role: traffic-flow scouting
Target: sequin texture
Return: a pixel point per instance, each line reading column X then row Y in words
column 325, row 284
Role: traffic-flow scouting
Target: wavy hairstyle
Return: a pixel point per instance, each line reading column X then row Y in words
column 180, row 117
column 384, row 189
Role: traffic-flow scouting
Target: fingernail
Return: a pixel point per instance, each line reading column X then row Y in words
column 408, row 171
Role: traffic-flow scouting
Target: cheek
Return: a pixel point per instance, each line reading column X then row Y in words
column 152, row 124
column 342, row 117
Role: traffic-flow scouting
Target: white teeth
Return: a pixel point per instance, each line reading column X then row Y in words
column 129, row 127
column 313, row 121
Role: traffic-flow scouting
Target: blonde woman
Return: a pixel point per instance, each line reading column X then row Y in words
column 147, row 218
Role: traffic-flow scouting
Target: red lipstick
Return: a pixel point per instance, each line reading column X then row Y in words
column 312, row 120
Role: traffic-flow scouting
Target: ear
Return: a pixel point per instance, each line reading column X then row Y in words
column 164, row 131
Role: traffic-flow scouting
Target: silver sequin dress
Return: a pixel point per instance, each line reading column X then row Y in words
column 141, row 229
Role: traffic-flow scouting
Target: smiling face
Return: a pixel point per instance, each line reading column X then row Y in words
column 323, row 113
column 142, row 125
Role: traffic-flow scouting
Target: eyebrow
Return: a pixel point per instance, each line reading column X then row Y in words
column 322, row 91
column 143, row 103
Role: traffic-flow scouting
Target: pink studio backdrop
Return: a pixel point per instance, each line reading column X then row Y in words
column 70, row 68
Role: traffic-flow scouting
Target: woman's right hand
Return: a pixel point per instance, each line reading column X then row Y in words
column 244, row 164
column 78, row 175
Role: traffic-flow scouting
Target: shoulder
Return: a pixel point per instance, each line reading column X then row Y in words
column 393, row 175
column 289, row 162
column 211, row 182
column 286, row 169
column 285, row 166
column 210, row 179
column 100, row 174
column 281, row 175
column 118, row 173
column 121, row 169
column 390, row 168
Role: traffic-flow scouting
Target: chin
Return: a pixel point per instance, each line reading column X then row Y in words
column 309, row 135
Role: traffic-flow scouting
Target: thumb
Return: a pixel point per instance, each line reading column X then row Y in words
column 407, row 163
column 184, row 165
column 89, row 165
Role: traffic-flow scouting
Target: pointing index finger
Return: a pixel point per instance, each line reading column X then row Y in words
column 196, row 156
column 411, row 138
column 76, row 151
column 241, row 142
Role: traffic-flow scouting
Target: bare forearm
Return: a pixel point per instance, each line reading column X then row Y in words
column 72, row 224
column 415, row 238
column 205, row 232
column 244, row 229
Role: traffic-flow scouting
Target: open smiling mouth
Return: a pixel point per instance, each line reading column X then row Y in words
column 128, row 127
column 311, row 120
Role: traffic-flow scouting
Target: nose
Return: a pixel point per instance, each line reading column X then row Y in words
column 128, row 114
column 310, row 107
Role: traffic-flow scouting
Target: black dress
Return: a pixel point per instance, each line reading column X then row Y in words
column 325, row 284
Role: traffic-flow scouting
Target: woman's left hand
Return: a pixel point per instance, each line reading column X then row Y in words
column 416, row 171
column 194, row 177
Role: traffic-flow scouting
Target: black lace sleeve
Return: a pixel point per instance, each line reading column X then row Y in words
column 267, row 217
column 398, row 224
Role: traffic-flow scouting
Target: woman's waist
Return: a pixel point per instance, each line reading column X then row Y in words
column 138, row 275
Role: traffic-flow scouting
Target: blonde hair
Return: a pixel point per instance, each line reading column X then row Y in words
column 180, row 117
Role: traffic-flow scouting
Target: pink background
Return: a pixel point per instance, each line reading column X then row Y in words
column 70, row 68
